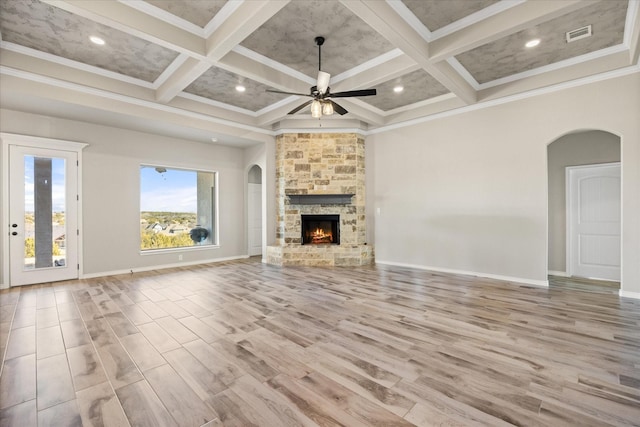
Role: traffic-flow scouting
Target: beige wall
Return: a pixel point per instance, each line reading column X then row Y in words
column 110, row 185
column 582, row 148
column 468, row 192
column 465, row 192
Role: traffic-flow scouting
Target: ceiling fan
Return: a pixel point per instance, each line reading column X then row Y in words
column 322, row 102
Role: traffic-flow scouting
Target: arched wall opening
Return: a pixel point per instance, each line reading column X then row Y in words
column 575, row 149
column 254, row 211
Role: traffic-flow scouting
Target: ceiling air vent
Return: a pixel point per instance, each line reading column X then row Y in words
column 579, row 33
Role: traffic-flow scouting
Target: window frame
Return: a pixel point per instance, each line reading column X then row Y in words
column 215, row 229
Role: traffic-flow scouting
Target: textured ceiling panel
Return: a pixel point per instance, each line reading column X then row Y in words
column 417, row 86
column 435, row 14
column 289, row 36
column 219, row 85
column 509, row 56
column 49, row 29
column 198, row 12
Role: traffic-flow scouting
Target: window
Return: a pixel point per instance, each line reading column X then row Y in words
column 177, row 208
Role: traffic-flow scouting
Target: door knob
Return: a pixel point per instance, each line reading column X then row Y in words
column 14, row 225
column 15, row 233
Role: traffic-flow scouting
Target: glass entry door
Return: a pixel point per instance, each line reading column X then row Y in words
column 43, row 189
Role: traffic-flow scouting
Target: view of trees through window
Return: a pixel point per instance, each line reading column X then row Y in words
column 177, row 208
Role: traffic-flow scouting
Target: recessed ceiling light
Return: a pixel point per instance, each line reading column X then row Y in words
column 97, row 40
column 532, row 43
column 398, row 89
column 240, row 88
column 214, row 139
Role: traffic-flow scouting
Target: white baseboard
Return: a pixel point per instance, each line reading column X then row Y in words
column 4, row 286
column 628, row 294
column 558, row 273
column 518, row 280
column 159, row 267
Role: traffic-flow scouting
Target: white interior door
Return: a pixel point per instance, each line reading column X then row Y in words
column 594, row 221
column 43, row 215
column 255, row 219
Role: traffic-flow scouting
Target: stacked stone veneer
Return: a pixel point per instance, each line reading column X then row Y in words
column 317, row 164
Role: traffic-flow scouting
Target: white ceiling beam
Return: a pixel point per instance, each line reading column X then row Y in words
column 385, row 20
column 510, row 21
column 182, row 77
column 360, row 110
column 276, row 114
column 384, row 72
column 243, row 21
column 262, row 73
column 136, row 23
column 599, row 65
column 633, row 26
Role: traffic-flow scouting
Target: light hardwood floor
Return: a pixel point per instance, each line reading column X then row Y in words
column 243, row 344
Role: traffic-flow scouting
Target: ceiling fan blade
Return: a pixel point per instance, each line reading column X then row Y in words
column 338, row 109
column 323, row 81
column 300, row 107
column 363, row 92
column 287, row 93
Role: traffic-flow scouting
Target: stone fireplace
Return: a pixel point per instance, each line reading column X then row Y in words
column 321, row 201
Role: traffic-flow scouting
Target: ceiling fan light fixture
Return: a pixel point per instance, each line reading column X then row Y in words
column 327, row 108
column 316, row 109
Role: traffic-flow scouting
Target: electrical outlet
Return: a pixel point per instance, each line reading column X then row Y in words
column 180, row 257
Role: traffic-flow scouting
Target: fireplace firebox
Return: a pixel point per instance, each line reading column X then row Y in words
column 320, row 229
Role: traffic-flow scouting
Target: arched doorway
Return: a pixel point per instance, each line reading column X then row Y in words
column 254, row 211
column 573, row 155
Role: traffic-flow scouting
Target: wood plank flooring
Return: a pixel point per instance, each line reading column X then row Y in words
column 246, row 344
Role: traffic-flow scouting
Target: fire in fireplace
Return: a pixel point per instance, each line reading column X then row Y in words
column 319, row 229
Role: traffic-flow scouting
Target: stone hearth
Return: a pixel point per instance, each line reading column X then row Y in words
column 309, row 166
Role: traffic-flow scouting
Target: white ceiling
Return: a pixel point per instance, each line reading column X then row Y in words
column 171, row 66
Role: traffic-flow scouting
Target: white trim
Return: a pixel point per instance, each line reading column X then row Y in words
column 627, row 294
column 555, row 66
column 474, row 18
column 214, row 103
column 255, row 56
column 558, row 273
column 160, row 267
column 410, row 18
column 464, row 73
column 168, row 72
column 321, row 130
column 40, row 142
column 75, row 64
column 223, row 14
column 514, row 280
column 516, row 97
column 418, row 104
column 161, row 14
column 384, row 128
column 128, row 99
column 629, row 24
column 278, row 104
column 365, row 66
column 8, row 139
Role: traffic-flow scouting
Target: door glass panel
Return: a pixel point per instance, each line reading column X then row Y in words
column 44, row 207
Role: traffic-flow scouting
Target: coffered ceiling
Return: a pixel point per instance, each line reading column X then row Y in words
column 174, row 65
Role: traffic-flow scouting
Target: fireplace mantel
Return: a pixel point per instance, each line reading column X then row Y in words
column 320, row 199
